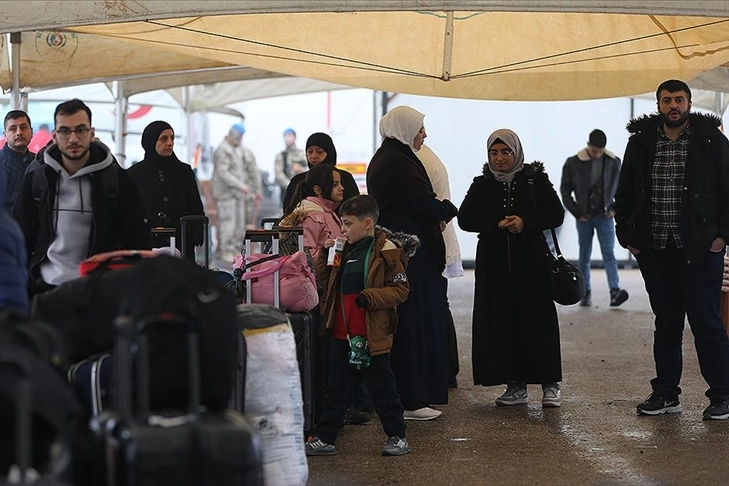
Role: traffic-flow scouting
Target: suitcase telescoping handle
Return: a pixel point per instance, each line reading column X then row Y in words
column 23, row 408
column 127, row 334
column 194, row 218
column 272, row 235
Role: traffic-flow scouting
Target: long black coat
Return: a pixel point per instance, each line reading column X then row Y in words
column 170, row 191
column 515, row 326
column 399, row 183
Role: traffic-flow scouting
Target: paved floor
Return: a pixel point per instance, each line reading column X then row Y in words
column 595, row 438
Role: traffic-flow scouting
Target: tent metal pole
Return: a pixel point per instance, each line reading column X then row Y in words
column 719, row 103
column 448, row 47
column 15, row 97
column 121, row 106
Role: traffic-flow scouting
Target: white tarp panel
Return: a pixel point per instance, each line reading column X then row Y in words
column 24, row 15
column 500, row 50
column 479, row 55
column 51, row 59
column 209, row 97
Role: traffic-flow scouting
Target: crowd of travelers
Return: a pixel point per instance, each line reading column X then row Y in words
column 665, row 203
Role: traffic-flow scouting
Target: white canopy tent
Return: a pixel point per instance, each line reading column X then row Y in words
column 499, row 50
column 478, row 49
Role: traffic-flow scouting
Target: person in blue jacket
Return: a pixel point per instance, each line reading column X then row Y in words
column 13, row 261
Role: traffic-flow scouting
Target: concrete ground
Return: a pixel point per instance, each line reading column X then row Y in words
column 595, row 438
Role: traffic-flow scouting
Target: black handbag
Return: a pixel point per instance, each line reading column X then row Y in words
column 568, row 283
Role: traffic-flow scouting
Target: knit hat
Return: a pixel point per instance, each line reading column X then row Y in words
column 238, row 127
column 597, row 139
column 289, row 131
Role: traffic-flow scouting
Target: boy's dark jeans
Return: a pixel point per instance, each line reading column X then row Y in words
column 344, row 380
column 678, row 289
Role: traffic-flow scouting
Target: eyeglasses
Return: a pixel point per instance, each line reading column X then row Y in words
column 504, row 152
column 65, row 132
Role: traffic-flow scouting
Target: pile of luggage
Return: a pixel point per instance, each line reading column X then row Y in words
column 152, row 371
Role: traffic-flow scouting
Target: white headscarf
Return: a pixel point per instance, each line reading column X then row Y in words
column 401, row 123
column 511, row 140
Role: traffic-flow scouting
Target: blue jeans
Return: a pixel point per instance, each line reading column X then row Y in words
column 678, row 289
column 605, row 228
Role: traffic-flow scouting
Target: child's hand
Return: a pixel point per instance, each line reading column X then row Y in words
column 362, row 301
column 329, row 242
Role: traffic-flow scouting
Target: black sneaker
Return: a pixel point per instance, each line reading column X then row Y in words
column 617, row 297
column 316, row 447
column 718, row 410
column 586, row 300
column 356, row 417
column 657, row 405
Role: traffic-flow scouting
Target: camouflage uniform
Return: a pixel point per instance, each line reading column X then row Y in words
column 235, row 170
column 284, row 166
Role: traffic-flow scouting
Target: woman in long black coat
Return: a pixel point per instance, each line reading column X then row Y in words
column 399, row 183
column 515, row 326
column 169, row 186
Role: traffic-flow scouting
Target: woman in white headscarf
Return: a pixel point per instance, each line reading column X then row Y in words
column 398, row 181
column 515, row 327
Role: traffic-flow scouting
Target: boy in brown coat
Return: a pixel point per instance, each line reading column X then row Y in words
column 360, row 300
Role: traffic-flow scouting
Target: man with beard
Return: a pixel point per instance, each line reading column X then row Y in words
column 77, row 202
column 672, row 214
column 15, row 156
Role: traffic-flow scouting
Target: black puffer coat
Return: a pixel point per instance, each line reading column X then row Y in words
column 705, row 205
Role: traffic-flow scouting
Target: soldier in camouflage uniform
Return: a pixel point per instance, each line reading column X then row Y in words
column 289, row 162
column 236, row 183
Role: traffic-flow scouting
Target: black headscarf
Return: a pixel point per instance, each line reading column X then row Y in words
column 324, row 141
column 150, row 135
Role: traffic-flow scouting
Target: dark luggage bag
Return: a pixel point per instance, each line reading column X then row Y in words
column 192, row 447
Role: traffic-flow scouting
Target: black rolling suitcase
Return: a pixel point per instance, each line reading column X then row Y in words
column 191, row 448
column 310, row 353
column 21, row 472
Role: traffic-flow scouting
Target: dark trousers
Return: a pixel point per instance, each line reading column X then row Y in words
column 344, row 380
column 453, row 364
column 678, row 289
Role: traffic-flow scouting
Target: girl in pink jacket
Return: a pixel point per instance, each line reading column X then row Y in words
column 319, row 196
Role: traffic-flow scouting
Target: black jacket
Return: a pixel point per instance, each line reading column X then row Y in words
column 118, row 223
column 576, row 179
column 705, row 205
column 515, row 324
column 170, row 191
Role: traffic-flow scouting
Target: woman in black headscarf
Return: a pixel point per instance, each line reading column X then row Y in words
column 398, row 181
column 319, row 150
column 169, row 186
column 515, row 326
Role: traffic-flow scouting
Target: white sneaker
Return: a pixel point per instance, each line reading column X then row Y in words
column 515, row 394
column 425, row 413
column 552, row 397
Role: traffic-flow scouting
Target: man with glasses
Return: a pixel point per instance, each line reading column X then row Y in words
column 77, row 203
column 15, row 156
column 589, row 181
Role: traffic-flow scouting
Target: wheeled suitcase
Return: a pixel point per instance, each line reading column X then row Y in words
column 21, row 471
column 191, row 447
column 310, row 352
column 185, row 223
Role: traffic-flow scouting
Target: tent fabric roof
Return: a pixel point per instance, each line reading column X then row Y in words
column 481, row 49
column 24, row 15
column 478, row 55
